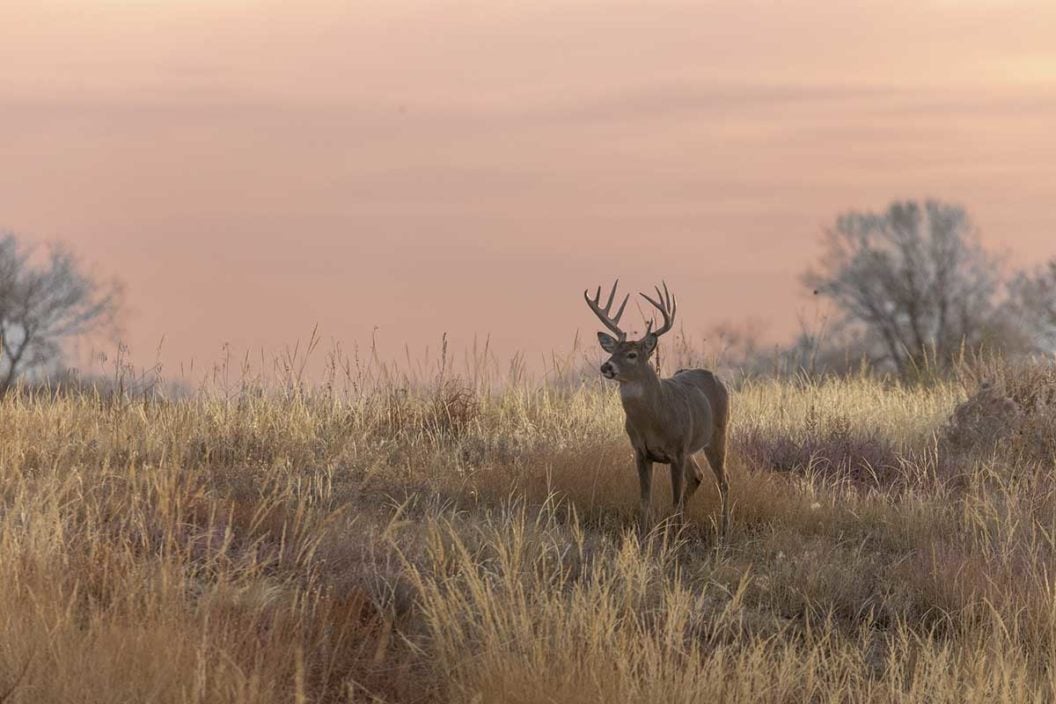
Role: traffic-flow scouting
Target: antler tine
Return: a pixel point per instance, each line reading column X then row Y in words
column 666, row 305
column 612, row 295
column 619, row 313
column 611, row 322
column 670, row 300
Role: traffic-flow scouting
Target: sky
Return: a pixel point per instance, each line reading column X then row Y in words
column 400, row 169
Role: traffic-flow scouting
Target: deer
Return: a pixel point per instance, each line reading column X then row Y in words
column 670, row 419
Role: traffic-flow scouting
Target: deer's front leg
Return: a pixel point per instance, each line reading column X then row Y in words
column 678, row 487
column 645, row 483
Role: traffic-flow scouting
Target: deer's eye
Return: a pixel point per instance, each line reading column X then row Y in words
column 632, row 355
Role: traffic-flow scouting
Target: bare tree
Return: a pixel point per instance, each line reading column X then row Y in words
column 1031, row 305
column 44, row 301
column 914, row 278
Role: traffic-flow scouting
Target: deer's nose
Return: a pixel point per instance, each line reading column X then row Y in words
column 606, row 368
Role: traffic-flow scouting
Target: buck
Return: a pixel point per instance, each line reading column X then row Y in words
column 668, row 420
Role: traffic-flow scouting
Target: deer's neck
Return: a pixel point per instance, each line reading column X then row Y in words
column 641, row 395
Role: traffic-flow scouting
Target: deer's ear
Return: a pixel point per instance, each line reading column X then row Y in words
column 649, row 344
column 607, row 342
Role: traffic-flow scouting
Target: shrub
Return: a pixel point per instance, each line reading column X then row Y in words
column 1011, row 415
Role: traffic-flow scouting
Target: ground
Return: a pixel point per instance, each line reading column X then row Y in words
column 443, row 541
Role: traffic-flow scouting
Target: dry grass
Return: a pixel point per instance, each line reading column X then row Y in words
column 407, row 543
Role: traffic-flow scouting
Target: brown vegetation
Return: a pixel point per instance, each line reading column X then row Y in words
column 448, row 544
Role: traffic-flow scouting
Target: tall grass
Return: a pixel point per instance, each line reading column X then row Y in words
column 384, row 538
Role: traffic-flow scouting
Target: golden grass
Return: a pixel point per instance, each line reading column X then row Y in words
column 444, row 544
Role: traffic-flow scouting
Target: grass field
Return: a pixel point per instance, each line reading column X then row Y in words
column 436, row 542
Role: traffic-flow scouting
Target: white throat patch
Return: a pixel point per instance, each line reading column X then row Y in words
column 631, row 390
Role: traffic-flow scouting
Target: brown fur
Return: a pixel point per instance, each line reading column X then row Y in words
column 668, row 420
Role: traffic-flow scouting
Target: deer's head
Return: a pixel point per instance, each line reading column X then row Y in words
column 629, row 359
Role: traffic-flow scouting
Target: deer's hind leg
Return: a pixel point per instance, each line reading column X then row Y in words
column 694, row 477
column 685, row 479
column 716, row 454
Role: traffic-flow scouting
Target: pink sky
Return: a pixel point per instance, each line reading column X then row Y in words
column 250, row 169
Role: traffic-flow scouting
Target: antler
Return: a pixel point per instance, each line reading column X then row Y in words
column 666, row 306
column 603, row 313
